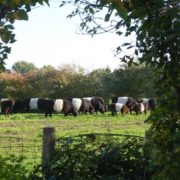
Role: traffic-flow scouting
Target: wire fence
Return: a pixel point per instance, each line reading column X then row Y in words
column 38, row 152
column 30, row 149
column 97, row 136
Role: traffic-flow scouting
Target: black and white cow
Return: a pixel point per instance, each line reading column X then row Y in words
column 1, row 100
column 21, row 105
column 77, row 104
column 151, row 102
column 33, row 104
column 121, row 100
column 131, row 103
column 98, row 103
column 58, row 105
column 46, row 106
column 115, row 108
column 68, row 108
column 119, row 107
column 65, row 106
column 43, row 105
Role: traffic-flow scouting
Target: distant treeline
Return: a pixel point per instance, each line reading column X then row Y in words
column 73, row 81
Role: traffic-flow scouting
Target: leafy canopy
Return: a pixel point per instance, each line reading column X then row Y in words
column 10, row 11
column 23, row 67
column 155, row 25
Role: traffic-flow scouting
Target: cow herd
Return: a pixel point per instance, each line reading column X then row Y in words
column 128, row 105
column 76, row 106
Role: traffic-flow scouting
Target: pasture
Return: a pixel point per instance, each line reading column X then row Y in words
column 29, row 127
column 31, row 124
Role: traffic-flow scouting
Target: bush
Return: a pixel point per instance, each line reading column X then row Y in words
column 12, row 168
column 96, row 157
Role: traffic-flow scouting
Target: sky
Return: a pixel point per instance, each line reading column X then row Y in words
column 49, row 38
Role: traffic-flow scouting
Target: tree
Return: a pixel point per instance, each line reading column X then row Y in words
column 10, row 11
column 23, row 67
column 136, row 82
column 12, row 85
column 47, row 68
column 155, row 23
column 156, row 28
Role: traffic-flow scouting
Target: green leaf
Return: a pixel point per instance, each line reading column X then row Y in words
column 17, row 1
column 136, row 52
column 119, row 32
column 20, row 15
column 5, row 38
column 122, row 12
column 107, row 16
column 130, row 47
column 91, row 10
column 126, row 44
column 9, row 26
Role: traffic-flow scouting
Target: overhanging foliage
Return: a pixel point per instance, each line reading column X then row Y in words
column 10, row 11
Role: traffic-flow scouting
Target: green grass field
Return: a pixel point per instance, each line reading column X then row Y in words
column 29, row 127
column 31, row 124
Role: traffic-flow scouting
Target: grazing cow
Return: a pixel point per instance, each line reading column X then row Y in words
column 121, row 100
column 138, row 107
column 68, row 108
column 114, row 99
column 43, row 105
column 115, row 107
column 102, row 102
column 151, row 102
column 77, row 104
column 87, row 107
column 65, row 106
column 143, row 106
column 58, row 105
column 21, row 105
column 82, row 105
column 118, row 107
column 46, row 106
column 130, row 103
column 1, row 100
column 125, row 110
column 7, row 111
column 98, row 104
column 33, row 104
column 133, row 105
column 6, row 107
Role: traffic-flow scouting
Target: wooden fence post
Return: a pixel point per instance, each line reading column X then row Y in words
column 48, row 148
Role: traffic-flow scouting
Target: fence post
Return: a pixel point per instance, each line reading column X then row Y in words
column 48, row 148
